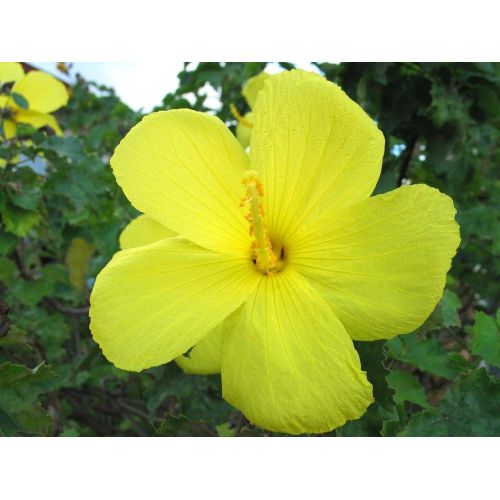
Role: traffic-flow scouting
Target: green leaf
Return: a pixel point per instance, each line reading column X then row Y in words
column 386, row 182
column 20, row 100
column 30, row 293
column 66, row 147
column 447, row 105
column 225, row 430
column 26, row 192
column 383, row 410
column 470, row 408
column 449, row 306
column 7, row 269
column 445, row 313
column 13, row 337
column 51, row 329
column 17, row 220
column 181, row 426
column 7, row 242
column 199, row 398
column 287, row 65
column 427, row 355
column 70, row 432
column 486, row 342
column 20, row 410
column 407, row 388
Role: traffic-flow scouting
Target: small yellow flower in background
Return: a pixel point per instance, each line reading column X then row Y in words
column 41, row 93
column 283, row 250
column 250, row 92
column 77, row 261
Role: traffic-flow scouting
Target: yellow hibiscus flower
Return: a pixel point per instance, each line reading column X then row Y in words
column 292, row 265
column 250, row 92
column 42, row 95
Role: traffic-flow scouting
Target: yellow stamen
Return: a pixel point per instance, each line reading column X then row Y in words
column 240, row 117
column 265, row 259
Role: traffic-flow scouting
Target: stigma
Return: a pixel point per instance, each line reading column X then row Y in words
column 264, row 257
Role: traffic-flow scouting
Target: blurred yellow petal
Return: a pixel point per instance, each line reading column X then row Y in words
column 9, row 128
column 54, row 125
column 252, row 88
column 243, row 131
column 151, row 304
column 42, row 91
column 10, row 72
column 183, row 168
column 205, row 357
column 381, row 264
column 315, row 148
column 288, row 363
column 77, row 260
column 143, row 230
column 38, row 120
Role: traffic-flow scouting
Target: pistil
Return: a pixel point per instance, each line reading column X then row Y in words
column 265, row 259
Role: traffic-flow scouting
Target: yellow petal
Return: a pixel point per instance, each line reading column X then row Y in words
column 38, row 120
column 183, row 168
column 253, row 86
column 10, row 72
column 42, row 91
column 143, row 230
column 243, row 131
column 54, row 125
column 287, row 361
column 9, row 129
column 204, row 358
column 315, row 149
column 382, row 264
column 151, row 304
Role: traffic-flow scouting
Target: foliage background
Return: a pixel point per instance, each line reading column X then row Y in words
column 60, row 223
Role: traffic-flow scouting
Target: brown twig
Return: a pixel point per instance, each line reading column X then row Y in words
column 20, row 265
column 406, row 158
column 123, row 404
column 72, row 311
column 4, row 320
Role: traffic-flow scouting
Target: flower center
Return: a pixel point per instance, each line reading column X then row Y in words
column 264, row 257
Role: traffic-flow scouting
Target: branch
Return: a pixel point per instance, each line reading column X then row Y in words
column 4, row 321
column 72, row 311
column 406, row 158
column 16, row 255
